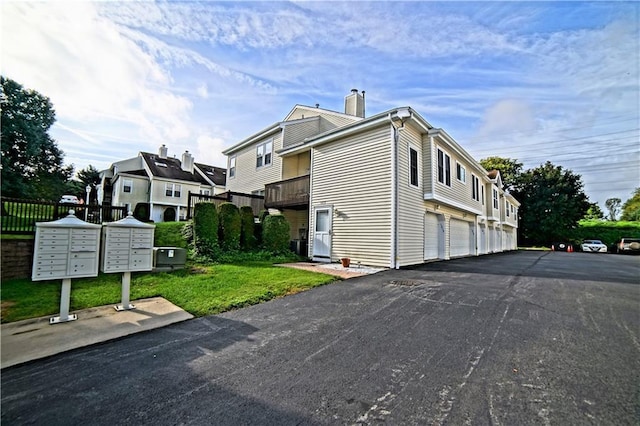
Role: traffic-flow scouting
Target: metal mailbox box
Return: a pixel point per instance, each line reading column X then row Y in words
column 127, row 246
column 65, row 248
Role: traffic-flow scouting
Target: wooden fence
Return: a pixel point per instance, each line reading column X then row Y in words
column 239, row 199
column 20, row 216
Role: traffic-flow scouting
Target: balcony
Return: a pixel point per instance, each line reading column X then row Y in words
column 288, row 194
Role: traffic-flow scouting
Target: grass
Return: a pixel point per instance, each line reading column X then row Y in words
column 199, row 289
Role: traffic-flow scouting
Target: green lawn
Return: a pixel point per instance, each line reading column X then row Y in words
column 200, row 290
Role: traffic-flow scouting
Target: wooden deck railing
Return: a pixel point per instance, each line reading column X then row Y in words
column 290, row 193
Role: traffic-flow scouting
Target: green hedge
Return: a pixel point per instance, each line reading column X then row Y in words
column 275, row 234
column 248, row 240
column 169, row 234
column 205, row 228
column 605, row 231
column 230, row 226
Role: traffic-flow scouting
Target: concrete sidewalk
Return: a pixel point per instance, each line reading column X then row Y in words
column 31, row 339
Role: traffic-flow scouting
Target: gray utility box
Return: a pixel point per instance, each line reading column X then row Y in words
column 127, row 246
column 65, row 248
column 169, row 258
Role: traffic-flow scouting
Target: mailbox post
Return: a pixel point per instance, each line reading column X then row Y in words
column 127, row 246
column 65, row 249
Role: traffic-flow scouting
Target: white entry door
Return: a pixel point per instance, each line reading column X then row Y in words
column 322, row 234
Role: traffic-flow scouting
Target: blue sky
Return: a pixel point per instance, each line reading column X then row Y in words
column 534, row 81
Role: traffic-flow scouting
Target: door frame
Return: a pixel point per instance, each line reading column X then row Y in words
column 322, row 258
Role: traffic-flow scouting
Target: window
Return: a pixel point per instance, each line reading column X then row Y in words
column 263, row 157
column 495, row 198
column 461, row 173
column 259, row 192
column 232, row 167
column 506, row 205
column 482, row 194
column 413, row 167
column 172, row 190
column 127, row 185
column 475, row 187
column 444, row 168
column 205, row 192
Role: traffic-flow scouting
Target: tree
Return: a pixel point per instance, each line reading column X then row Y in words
column 631, row 207
column 78, row 186
column 510, row 169
column 613, row 205
column 594, row 212
column 552, row 202
column 31, row 161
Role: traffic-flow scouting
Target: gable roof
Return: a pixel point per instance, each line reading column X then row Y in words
column 171, row 169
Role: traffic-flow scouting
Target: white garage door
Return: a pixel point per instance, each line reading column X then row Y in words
column 459, row 238
column 482, row 247
column 431, row 230
column 492, row 239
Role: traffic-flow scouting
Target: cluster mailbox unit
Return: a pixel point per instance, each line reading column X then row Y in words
column 64, row 249
column 127, row 246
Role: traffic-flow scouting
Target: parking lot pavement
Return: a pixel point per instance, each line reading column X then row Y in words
column 517, row 338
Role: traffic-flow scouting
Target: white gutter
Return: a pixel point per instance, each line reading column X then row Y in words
column 394, row 184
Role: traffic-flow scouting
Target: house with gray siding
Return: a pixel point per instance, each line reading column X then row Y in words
column 155, row 186
column 387, row 190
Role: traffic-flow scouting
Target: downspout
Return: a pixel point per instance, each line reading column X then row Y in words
column 394, row 191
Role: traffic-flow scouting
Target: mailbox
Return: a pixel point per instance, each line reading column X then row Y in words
column 127, row 246
column 65, row 248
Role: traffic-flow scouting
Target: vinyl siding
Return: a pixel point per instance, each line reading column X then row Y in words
column 411, row 206
column 298, row 220
column 248, row 178
column 354, row 176
column 296, row 165
column 296, row 133
column 139, row 191
column 328, row 120
column 158, row 195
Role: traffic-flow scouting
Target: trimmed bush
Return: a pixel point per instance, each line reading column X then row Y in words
column 248, row 240
column 275, row 234
column 170, row 234
column 205, row 228
column 230, row 226
column 605, row 231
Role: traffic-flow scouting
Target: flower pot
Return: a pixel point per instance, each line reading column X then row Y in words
column 345, row 262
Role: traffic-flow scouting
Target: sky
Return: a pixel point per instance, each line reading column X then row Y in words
column 532, row 81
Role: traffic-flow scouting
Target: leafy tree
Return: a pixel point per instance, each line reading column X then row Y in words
column 510, row 169
column 31, row 161
column 594, row 212
column 552, row 202
column 78, row 186
column 631, row 207
column 613, row 205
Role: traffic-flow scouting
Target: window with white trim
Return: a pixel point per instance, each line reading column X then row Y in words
column 461, row 173
column 482, row 194
column 232, row 166
column 413, row 167
column 264, row 154
column 495, row 199
column 127, row 185
column 506, row 207
column 475, row 187
column 444, row 168
column 205, row 192
column 172, row 189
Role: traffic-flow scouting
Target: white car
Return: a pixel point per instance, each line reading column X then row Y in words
column 593, row 246
column 69, row 199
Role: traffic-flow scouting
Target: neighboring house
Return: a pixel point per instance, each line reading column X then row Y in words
column 156, row 186
column 388, row 190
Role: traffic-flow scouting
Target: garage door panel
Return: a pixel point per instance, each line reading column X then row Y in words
column 430, row 236
column 459, row 238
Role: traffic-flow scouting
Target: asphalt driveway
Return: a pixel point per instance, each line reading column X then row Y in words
column 520, row 338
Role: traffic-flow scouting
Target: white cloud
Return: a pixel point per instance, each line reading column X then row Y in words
column 508, row 116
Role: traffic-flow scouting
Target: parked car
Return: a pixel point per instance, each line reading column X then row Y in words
column 69, row 199
column 561, row 246
column 593, row 246
column 629, row 245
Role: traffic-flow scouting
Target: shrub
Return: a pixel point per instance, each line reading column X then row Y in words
column 247, row 230
column 169, row 234
column 275, row 234
column 606, row 231
column 230, row 226
column 205, row 228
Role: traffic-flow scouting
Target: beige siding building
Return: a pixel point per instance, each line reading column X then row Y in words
column 389, row 190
